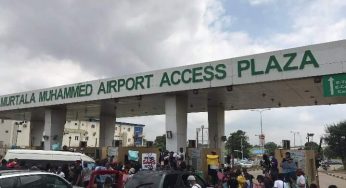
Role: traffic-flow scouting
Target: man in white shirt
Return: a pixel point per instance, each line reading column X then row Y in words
column 279, row 183
column 301, row 181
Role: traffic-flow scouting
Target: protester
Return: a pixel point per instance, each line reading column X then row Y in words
column 279, row 182
column 240, row 179
column 288, row 166
column 76, row 178
column 59, row 172
column 3, row 165
column 301, row 180
column 233, row 182
column 213, row 162
column 260, row 182
column 192, row 182
column 273, row 165
column 249, row 178
column 266, row 164
column 85, row 174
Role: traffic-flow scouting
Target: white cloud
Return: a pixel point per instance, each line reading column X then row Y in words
column 51, row 43
column 260, row 2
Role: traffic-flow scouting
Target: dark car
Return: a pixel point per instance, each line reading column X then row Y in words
column 162, row 179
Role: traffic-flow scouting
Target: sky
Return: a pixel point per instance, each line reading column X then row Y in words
column 50, row 43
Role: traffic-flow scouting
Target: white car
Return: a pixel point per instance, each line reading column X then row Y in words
column 245, row 164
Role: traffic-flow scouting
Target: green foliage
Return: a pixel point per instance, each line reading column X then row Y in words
column 330, row 154
column 311, row 146
column 270, row 147
column 234, row 143
column 160, row 142
column 336, row 140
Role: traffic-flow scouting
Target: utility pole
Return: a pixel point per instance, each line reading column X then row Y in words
column 242, row 148
column 294, row 137
column 261, row 136
column 202, row 136
column 197, row 130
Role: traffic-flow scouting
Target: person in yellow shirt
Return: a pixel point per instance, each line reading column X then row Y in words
column 240, row 178
column 213, row 162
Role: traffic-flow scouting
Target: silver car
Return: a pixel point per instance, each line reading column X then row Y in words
column 31, row 179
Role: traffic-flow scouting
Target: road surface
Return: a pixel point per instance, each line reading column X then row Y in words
column 326, row 180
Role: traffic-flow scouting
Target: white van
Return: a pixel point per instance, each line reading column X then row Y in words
column 44, row 157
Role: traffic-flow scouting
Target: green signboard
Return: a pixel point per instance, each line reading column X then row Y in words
column 334, row 85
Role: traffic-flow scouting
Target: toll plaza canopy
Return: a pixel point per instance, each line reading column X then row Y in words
column 309, row 75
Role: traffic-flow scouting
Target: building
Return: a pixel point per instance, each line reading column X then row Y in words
column 14, row 133
column 76, row 133
column 128, row 134
column 86, row 133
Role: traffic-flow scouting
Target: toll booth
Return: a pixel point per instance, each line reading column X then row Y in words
column 304, row 159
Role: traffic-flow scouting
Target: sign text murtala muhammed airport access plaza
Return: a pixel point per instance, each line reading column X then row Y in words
column 278, row 65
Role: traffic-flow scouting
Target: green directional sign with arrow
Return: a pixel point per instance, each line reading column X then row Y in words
column 334, row 85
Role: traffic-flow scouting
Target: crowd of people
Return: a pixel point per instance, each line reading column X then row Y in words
column 220, row 175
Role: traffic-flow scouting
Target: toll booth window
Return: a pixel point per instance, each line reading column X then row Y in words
column 170, row 180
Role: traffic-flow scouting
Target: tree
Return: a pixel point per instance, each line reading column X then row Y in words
column 160, row 142
column 336, row 140
column 270, row 147
column 235, row 141
column 311, row 146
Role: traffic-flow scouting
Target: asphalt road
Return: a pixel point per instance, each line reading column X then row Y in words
column 326, row 180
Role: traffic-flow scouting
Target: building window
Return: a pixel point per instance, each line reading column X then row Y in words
column 93, row 126
column 76, row 138
column 6, row 131
column 86, row 138
column 129, row 140
column 75, row 123
column 128, row 129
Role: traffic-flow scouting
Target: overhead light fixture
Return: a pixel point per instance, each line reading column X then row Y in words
column 169, row 134
column 195, row 91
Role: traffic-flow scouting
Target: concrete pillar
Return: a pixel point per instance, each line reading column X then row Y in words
column 176, row 122
column 107, row 124
column 36, row 132
column 216, row 128
column 54, row 123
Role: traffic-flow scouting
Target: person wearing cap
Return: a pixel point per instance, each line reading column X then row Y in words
column 192, row 181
